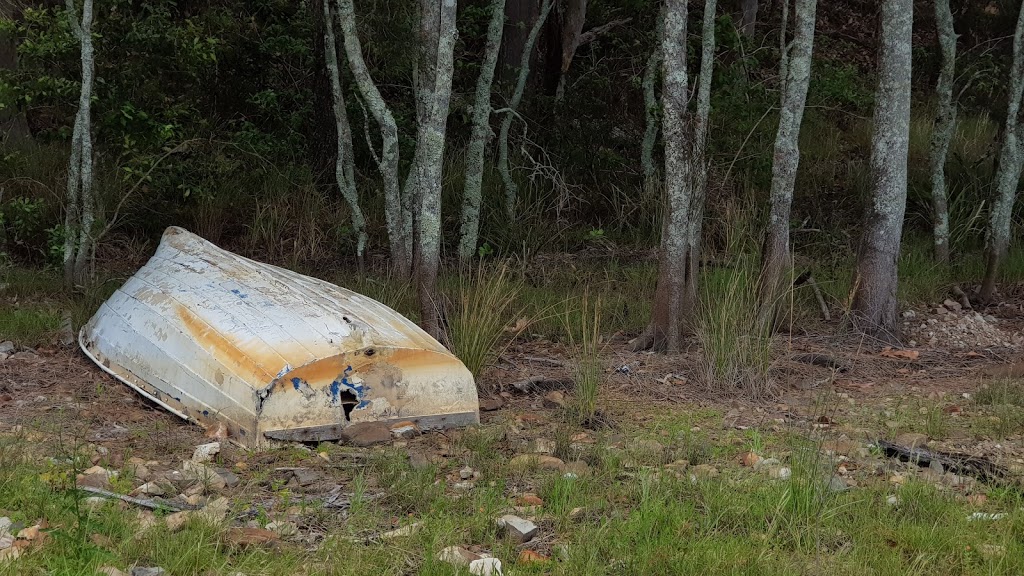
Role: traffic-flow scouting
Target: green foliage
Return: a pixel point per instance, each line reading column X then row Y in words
column 585, row 342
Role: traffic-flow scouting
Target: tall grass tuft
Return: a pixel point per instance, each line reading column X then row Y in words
column 584, row 333
column 479, row 311
column 735, row 331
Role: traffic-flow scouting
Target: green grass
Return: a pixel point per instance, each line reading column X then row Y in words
column 29, row 325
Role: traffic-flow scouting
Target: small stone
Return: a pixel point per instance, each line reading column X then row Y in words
column 366, row 434
column 912, row 439
column 304, row 477
column 750, row 459
column 542, row 446
column 530, row 499
column 990, row 551
column 540, row 460
column 94, row 502
column 837, row 484
column 952, row 305
column 177, row 520
column 5, row 525
column 977, row 499
column 554, row 399
column 892, row 500
column 485, row 567
column 109, row 571
column 202, row 475
column 518, row 529
column 466, row 485
column 402, row 532
column 766, row 463
column 897, row 479
column 153, row 571
column 531, row 557
column 30, row 533
column 936, row 467
column 217, row 431
column 466, row 473
column 215, row 511
column 151, row 489
column 406, row 429
column 418, row 460
column 6, row 347
column 205, row 452
column 230, row 478
column 457, row 556
column 704, row 471
column 284, row 529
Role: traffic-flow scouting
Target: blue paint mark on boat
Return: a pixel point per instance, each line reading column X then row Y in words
column 206, row 412
column 238, row 293
column 297, row 382
column 362, row 404
column 335, row 392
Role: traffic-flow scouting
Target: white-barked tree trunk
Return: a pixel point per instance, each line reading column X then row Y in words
column 943, row 130
column 79, row 216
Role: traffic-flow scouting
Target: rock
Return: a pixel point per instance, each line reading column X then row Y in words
column 543, row 446
column 177, row 520
column 490, row 404
column 6, row 541
column 418, row 460
column 750, row 459
column 145, row 519
column 703, row 471
column 912, row 439
column 766, row 463
column 154, row 571
column 5, row 525
column 230, row 478
column 977, row 499
column 936, row 467
column 284, row 529
column 206, row 477
column 554, row 399
column 892, row 500
column 837, row 484
column 304, row 477
column 109, row 571
column 24, row 356
column 215, row 512
column 991, row 551
column 518, row 529
column 466, row 485
column 485, row 567
column 539, row 460
column 250, row 536
column 530, row 499
column 457, row 556
column 151, row 489
column 366, row 434
column 952, row 305
column 406, row 429
column 577, row 468
column 96, row 477
column 205, row 452
column 466, row 473
column 6, row 347
column 29, row 533
column 402, row 532
column 94, row 502
column 531, row 557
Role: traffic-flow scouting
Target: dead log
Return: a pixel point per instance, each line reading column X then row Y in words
column 962, row 464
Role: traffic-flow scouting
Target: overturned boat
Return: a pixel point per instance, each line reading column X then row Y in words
column 215, row 337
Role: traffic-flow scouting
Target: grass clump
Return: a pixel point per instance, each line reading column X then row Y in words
column 586, row 346
column 479, row 312
column 735, row 332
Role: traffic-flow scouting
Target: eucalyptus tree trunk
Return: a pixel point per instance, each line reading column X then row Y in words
column 699, row 157
column 875, row 282
column 344, row 166
column 748, row 17
column 387, row 161
column 78, row 222
column 471, row 195
column 1008, row 174
column 439, row 38
column 945, row 126
column 776, row 258
column 665, row 329
column 511, row 190
column 563, row 39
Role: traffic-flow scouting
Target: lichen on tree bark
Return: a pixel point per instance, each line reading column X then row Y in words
column 945, row 126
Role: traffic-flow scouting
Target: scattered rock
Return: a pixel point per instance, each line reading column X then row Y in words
column 837, row 484
column 542, row 446
column 530, row 499
column 531, row 557
column 205, row 452
column 418, row 460
column 94, row 502
column 402, row 532
column 490, row 404
column 230, row 478
column 304, row 477
column 991, row 551
column 540, row 460
column 96, row 477
column 366, row 434
column 750, row 459
column 177, row 520
column 110, row 571
column 517, row 528
column 406, row 429
column 703, row 471
column 284, row 529
column 6, row 347
column 466, row 473
column 977, row 499
column 466, row 485
column 457, row 556
column 217, row 431
column 154, row 571
column 485, row 567
column 782, row 473
column 207, row 478
column 215, row 512
column 5, row 525
column 151, row 489
column 892, row 500
column 912, row 439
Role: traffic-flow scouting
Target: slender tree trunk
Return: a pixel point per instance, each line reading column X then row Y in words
column 700, row 165
column 388, row 159
column 431, row 140
column 665, row 329
column 344, row 167
column 13, row 123
column 651, row 114
column 875, row 283
column 945, row 126
column 776, row 259
column 322, row 133
column 471, row 195
column 748, row 17
column 511, row 190
column 1008, row 175
column 79, row 219
column 520, row 18
column 565, row 30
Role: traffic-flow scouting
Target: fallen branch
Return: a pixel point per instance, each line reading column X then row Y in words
column 540, row 382
column 822, row 360
column 152, row 504
column 963, row 464
column 596, row 31
column 548, row 361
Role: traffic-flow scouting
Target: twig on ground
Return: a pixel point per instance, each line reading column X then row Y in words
column 153, row 504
